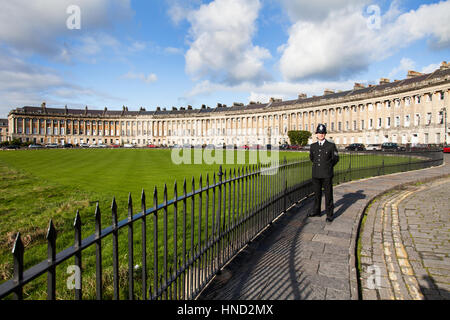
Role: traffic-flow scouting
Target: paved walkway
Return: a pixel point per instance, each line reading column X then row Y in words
column 406, row 244
column 306, row 258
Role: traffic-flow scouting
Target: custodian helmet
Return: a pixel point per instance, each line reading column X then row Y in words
column 321, row 128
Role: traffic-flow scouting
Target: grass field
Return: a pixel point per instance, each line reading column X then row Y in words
column 39, row 185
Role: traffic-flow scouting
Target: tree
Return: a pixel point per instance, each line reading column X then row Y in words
column 299, row 137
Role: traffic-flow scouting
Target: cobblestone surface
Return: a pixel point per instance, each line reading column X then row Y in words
column 406, row 244
column 306, row 258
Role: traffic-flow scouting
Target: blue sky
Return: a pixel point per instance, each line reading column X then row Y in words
column 192, row 52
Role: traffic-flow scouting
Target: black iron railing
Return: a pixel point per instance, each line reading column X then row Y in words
column 193, row 235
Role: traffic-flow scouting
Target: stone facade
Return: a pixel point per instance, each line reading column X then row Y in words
column 407, row 111
column 3, row 130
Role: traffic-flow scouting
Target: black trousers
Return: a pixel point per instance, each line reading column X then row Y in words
column 327, row 185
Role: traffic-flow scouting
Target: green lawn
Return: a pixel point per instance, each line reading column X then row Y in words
column 39, row 185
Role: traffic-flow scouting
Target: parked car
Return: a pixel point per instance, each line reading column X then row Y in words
column 128, row 145
column 101, row 145
column 307, row 147
column 84, row 145
column 246, row 147
column 114, row 146
column 420, row 147
column 284, row 146
column 51, row 145
column 391, row 146
column 12, row 147
column 34, row 146
column 68, row 145
column 269, row 147
column 151, row 146
column 355, row 147
column 294, row 147
column 374, row 147
column 446, row 149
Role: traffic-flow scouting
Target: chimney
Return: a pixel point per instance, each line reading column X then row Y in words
column 219, row 105
column 174, row 109
column 302, row 96
column 189, row 107
column 182, row 109
column 327, row 91
column 445, row 65
column 65, row 109
column 203, row 106
column 275, row 100
column 252, row 102
column 412, row 74
column 238, row 104
column 85, row 110
column 358, row 86
column 384, row 80
column 158, row 108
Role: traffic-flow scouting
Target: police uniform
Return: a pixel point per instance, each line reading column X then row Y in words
column 324, row 157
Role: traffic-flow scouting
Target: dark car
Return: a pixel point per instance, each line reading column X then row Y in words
column 12, row 147
column 68, row 145
column 355, row 147
column 391, row 146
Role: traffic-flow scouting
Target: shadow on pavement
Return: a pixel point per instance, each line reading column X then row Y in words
column 271, row 267
column 432, row 291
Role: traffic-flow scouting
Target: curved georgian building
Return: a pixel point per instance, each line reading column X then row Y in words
column 412, row 110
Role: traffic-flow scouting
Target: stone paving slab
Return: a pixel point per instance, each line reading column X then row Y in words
column 416, row 228
column 299, row 257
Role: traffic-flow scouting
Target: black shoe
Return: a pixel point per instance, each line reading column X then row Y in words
column 312, row 214
column 330, row 219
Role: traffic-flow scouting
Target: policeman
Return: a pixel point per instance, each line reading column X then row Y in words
column 324, row 157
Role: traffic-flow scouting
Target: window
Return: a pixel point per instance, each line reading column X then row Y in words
column 429, row 116
column 417, row 98
column 441, row 95
column 362, row 124
column 379, row 123
column 388, row 122
column 407, row 120
column 397, row 121
column 339, row 126
column 417, row 119
column 370, row 123
column 440, row 117
column 354, row 125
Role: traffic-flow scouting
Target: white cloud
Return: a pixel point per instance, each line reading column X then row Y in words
column 221, row 45
column 307, row 10
column 401, row 70
column 23, row 83
column 38, row 26
column 263, row 91
column 430, row 68
column 150, row 78
column 342, row 43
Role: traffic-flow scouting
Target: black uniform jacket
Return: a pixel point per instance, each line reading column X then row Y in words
column 324, row 158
